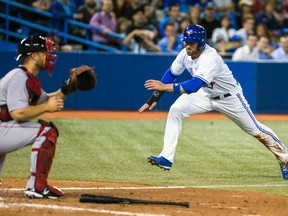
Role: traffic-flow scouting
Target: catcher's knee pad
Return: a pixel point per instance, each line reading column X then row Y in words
column 46, row 151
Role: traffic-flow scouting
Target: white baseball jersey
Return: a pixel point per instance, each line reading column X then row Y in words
column 213, row 71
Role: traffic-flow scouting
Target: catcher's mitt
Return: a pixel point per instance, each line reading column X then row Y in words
column 81, row 78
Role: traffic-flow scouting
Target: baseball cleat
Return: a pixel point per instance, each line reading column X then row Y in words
column 284, row 170
column 49, row 192
column 160, row 161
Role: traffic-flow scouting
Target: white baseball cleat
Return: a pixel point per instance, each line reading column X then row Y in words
column 49, row 192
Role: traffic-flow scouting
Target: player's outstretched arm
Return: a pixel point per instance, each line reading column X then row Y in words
column 152, row 101
column 157, row 85
column 147, row 106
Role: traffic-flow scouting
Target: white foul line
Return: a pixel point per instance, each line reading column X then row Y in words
column 70, row 208
column 157, row 187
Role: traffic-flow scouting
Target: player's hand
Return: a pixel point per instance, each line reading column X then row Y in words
column 54, row 104
column 146, row 106
column 154, row 85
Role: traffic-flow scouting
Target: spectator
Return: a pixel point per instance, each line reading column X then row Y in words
column 224, row 6
column 267, row 13
column 104, row 22
column 224, row 31
column 248, row 28
column 220, row 46
column 182, row 25
column 148, row 13
column 248, row 52
column 209, row 22
column 285, row 6
column 78, row 3
column 278, row 22
column 281, row 53
column 194, row 15
column 118, row 7
column 257, row 6
column 262, row 29
column 130, row 7
column 151, row 20
column 172, row 41
column 27, row 15
column 203, row 3
column 122, row 25
column 235, row 43
column 158, row 10
column 184, row 6
column 86, row 11
column 265, row 48
column 42, row 5
column 62, row 10
column 139, row 36
column 245, row 8
column 173, row 16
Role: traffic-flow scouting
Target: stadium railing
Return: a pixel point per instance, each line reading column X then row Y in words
column 25, row 25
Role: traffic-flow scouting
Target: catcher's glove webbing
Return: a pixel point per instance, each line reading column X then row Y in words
column 81, row 78
column 155, row 97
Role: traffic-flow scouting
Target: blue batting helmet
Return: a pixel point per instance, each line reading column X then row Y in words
column 195, row 33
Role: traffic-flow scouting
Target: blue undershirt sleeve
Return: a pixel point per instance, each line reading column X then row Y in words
column 168, row 77
column 192, row 85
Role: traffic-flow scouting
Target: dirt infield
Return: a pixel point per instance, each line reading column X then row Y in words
column 202, row 201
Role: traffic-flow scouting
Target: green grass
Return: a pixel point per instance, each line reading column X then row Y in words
column 208, row 153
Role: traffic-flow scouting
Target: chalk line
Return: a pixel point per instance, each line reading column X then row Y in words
column 71, row 208
column 157, row 187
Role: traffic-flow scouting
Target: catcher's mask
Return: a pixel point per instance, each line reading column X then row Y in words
column 37, row 44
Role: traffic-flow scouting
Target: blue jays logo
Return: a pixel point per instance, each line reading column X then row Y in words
column 189, row 32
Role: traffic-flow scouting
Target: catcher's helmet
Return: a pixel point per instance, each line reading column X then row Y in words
column 195, row 33
column 37, row 44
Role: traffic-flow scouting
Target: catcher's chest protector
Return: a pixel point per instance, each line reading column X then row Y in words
column 34, row 89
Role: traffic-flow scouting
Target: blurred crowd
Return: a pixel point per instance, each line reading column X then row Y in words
column 245, row 30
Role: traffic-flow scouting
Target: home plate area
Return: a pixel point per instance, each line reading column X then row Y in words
column 203, row 201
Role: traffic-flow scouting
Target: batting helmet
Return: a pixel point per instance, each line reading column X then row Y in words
column 37, row 44
column 195, row 33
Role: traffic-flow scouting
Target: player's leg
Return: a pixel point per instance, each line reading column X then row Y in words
column 43, row 151
column 2, row 158
column 241, row 114
column 16, row 135
column 183, row 107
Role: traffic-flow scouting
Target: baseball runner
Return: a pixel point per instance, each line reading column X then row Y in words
column 212, row 87
column 21, row 100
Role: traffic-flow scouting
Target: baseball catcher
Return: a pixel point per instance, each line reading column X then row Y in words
column 81, row 78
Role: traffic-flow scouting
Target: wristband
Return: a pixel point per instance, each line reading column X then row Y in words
column 155, row 97
column 65, row 89
column 176, row 87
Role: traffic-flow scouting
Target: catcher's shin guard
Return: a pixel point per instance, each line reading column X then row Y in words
column 44, row 154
